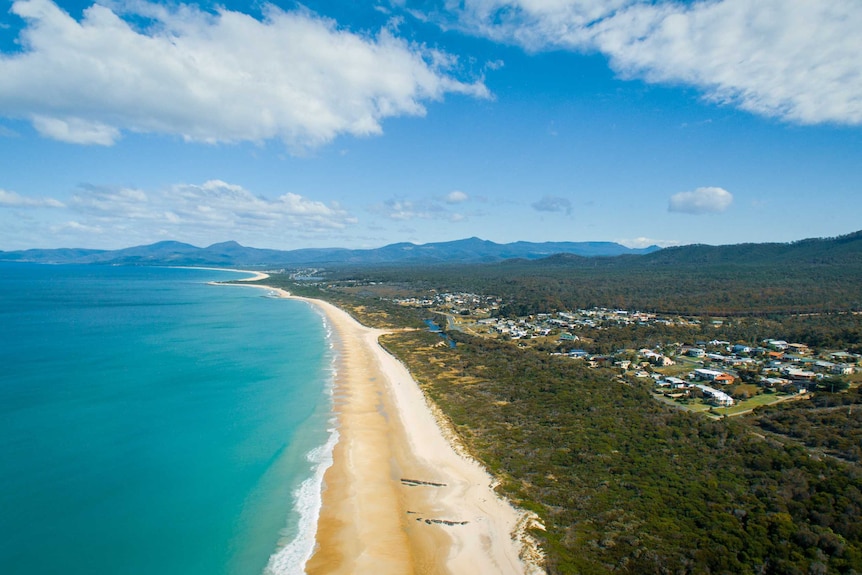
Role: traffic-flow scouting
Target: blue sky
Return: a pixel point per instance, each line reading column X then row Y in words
column 287, row 125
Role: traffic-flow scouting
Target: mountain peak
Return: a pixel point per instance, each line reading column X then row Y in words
column 231, row 253
column 227, row 244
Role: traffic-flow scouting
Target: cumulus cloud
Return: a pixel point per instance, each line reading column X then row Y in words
column 795, row 60
column 76, row 130
column 201, row 214
column 214, row 77
column 198, row 213
column 456, row 197
column 213, row 205
column 553, row 204
column 13, row 200
column 701, row 201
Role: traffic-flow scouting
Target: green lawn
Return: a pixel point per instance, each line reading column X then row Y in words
column 684, row 364
column 700, row 406
column 697, row 405
column 757, row 401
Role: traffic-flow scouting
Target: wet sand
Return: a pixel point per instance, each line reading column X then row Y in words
column 399, row 498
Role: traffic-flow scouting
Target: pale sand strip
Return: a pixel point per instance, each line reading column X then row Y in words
column 255, row 275
column 373, row 522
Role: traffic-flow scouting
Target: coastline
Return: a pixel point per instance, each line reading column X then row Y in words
column 398, row 497
column 255, row 276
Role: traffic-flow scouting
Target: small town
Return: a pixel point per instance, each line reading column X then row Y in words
column 697, row 375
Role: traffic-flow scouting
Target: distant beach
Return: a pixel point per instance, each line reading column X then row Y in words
column 398, row 497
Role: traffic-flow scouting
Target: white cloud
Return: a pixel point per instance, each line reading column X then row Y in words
column 701, row 201
column 456, row 197
column 236, row 207
column 535, row 24
column 402, row 209
column 125, row 203
column 796, row 60
column 13, row 200
column 215, row 205
column 644, row 242
column 201, row 214
column 75, row 228
column 553, row 204
column 220, row 77
column 398, row 210
column 76, row 130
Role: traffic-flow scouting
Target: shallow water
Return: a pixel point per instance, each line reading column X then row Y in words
column 151, row 423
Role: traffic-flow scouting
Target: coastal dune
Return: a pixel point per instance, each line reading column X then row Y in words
column 398, row 497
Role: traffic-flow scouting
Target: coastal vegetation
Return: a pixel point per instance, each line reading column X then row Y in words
column 826, row 423
column 622, row 482
column 761, row 280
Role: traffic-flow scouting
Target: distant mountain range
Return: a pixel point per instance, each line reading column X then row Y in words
column 843, row 250
column 232, row 254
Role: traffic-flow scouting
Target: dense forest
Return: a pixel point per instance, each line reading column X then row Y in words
column 812, row 276
column 622, row 482
column 826, row 423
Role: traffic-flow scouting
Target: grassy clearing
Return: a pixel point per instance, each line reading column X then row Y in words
column 757, row 401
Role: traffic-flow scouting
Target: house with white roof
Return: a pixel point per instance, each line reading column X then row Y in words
column 715, row 396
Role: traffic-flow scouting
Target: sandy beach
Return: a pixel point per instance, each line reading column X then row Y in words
column 399, row 498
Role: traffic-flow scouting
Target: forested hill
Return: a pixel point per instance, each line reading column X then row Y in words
column 808, row 276
column 842, row 251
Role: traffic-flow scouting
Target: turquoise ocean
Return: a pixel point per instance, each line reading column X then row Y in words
column 151, row 423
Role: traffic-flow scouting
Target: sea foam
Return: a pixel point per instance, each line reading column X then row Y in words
column 292, row 557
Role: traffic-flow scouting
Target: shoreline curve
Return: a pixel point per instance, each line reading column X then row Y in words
column 400, row 497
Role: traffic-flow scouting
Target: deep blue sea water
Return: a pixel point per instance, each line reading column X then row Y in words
column 151, row 423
